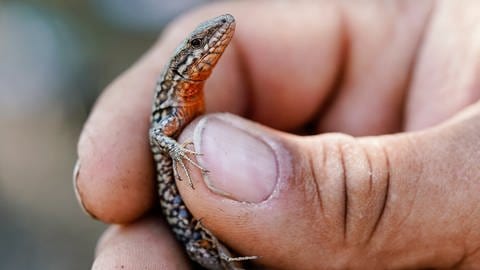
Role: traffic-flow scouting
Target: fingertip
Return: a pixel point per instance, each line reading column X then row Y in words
column 146, row 244
column 115, row 181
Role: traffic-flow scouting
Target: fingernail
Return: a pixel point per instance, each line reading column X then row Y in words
column 242, row 166
column 76, row 172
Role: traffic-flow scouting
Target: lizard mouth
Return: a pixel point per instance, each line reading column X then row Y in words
column 185, row 78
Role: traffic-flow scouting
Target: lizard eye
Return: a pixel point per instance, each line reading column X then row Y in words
column 196, row 43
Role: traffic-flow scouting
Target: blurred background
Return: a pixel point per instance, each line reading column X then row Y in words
column 55, row 58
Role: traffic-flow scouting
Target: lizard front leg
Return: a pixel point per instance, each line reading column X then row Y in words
column 177, row 152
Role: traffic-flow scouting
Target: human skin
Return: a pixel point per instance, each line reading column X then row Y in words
column 396, row 186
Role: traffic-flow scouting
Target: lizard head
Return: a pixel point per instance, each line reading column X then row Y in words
column 195, row 58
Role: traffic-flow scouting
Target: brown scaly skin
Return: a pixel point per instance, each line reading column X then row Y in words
column 178, row 100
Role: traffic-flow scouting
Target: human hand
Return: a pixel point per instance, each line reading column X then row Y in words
column 407, row 200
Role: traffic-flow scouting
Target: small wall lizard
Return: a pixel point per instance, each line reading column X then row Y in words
column 178, row 99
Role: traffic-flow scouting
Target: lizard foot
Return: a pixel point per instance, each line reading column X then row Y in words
column 179, row 153
column 223, row 251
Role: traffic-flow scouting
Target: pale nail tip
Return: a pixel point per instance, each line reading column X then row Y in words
column 76, row 173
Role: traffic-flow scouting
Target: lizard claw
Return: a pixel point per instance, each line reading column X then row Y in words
column 187, row 143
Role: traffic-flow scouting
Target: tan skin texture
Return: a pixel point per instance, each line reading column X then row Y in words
column 393, row 67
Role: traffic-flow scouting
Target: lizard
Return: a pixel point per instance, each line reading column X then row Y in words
column 178, row 99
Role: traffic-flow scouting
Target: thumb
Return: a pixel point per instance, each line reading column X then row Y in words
column 334, row 201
